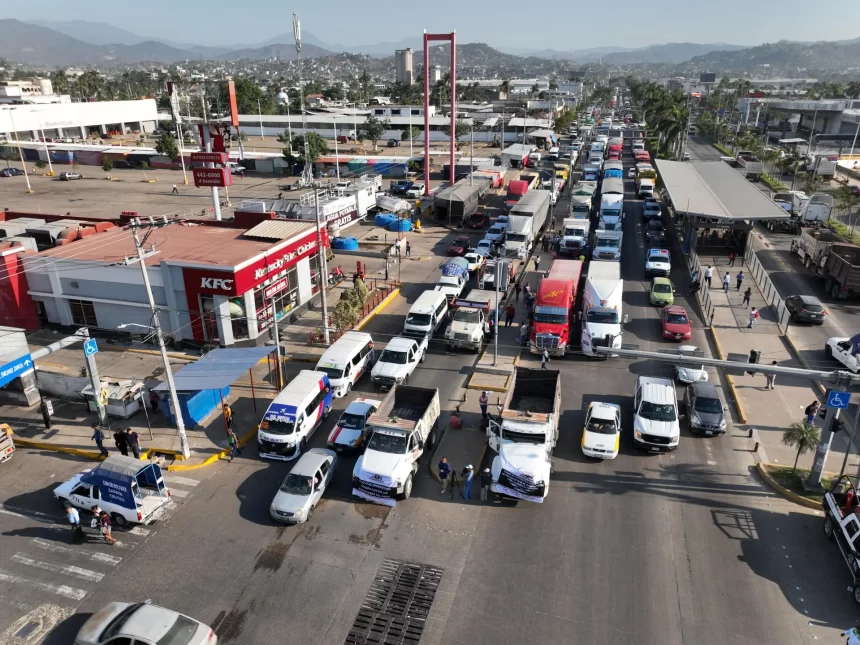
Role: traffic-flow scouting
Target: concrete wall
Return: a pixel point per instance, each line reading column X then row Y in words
column 71, row 115
column 62, row 384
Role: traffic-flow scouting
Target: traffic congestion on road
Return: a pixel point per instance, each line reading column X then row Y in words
column 623, row 502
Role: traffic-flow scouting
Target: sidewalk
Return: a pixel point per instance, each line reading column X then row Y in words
column 768, row 412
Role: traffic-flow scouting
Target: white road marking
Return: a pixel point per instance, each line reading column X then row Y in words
column 139, row 530
column 175, row 492
column 105, row 558
column 65, row 569
column 185, row 481
column 27, row 514
column 91, row 536
column 60, row 590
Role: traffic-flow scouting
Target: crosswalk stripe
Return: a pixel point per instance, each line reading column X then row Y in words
column 97, row 556
column 184, row 481
column 176, row 492
column 92, row 537
column 60, row 590
column 65, row 569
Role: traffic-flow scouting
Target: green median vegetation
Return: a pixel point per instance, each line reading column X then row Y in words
column 773, row 184
column 724, row 149
column 843, row 231
column 792, row 480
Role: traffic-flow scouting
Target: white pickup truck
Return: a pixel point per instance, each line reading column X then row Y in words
column 467, row 324
column 840, row 349
column 403, row 428
column 398, row 360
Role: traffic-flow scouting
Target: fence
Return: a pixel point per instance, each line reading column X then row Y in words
column 759, row 275
column 375, row 296
column 703, row 295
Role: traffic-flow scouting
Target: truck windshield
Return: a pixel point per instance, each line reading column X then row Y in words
column 351, row 421
column 516, row 237
column 607, row 242
column 297, row 484
column 602, row 317
column 657, row 411
column 418, row 319
column 574, row 232
column 391, row 356
column 553, row 315
column 467, row 316
column 393, row 443
column 274, row 426
column 332, row 372
column 524, row 437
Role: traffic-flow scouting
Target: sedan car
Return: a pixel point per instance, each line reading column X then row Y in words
column 485, row 248
column 302, row 489
column 687, row 374
column 601, row 435
column 11, row 172
column 651, row 209
column 459, row 246
column 675, row 323
column 631, row 173
column 475, row 260
column 841, row 349
column 654, row 231
column 69, row 176
column 705, row 408
column 350, row 431
column 496, row 233
column 122, row 622
column 805, row 309
column 662, row 292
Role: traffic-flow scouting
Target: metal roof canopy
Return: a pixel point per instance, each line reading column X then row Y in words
column 715, row 189
column 218, row 369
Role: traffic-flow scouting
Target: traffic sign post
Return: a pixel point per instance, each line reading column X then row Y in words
column 90, row 350
column 15, row 368
column 838, row 400
column 90, row 347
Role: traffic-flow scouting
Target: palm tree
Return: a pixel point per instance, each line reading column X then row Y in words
column 852, row 90
column 803, row 436
column 809, row 182
column 847, row 201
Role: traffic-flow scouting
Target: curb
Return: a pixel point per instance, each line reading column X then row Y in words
column 77, row 452
column 742, row 417
column 382, row 305
column 151, row 352
column 794, row 497
column 474, row 385
column 212, row 458
column 799, row 356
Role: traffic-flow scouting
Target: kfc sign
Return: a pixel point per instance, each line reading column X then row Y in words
column 283, row 260
column 216, row 283
column 214, row 177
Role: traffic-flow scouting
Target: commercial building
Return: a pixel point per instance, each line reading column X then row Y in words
column 77, row 120
column 214, row 284
column 33, row 92
column 403, row 66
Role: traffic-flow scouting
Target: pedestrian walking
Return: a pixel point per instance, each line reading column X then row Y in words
column 726, row 281
column 154, row 400
column 524, row 333
column 709, row 273
column 544, row 244
column 233, row 440
column 771, row 378
column 740, row 279
column 483, row 401
column 552, row 225
column 753, row 317
column 518, row 289
column 228, row 416
column 487, row 331
column 537, row 263
column 175, row 190
column 99, row 437
column 397, row 247
column 103, row 522
column 408, row 249
column 486, row 480
column 811, row 411
column 510, row 312
column 732, row 259
column 133, row 441
column 544, row 359
column 444, row 473
column 120, row 442
column 468, row 478
column 747, row 296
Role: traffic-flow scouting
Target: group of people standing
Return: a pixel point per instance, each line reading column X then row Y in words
column 125, row 440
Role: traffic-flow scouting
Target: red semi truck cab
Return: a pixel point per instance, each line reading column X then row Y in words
column 553, row 315
column 516, row 189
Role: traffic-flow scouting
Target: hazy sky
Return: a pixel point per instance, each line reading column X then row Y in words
column 559, row 25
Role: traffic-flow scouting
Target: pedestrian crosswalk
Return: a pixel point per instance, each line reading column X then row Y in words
column 49, row 570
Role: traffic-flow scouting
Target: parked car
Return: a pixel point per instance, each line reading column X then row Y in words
column 675, row 323
column 401, row 186
column 496, row 233
column 394, row 143
column 658, row 262
column 705, row 409
column 235, row 168
column 662, row 292
column 122, row 163
column 601, row 436
column 398, row 360
column 144, row 623
column 459, row 246
column 11, row 172
column 303, row 487
column 69, row 176
column 805, row 309
column 485, row 248
column 351, row 432
column 479, row 220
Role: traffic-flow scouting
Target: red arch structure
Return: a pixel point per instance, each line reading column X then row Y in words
column 428, row 38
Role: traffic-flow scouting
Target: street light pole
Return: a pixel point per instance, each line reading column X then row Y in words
column 45, row 141
column 854, row 142
column 323, row 267
column 336, row 156
column 20, row 152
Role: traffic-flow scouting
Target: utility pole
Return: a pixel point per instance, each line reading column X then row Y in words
column 152, row 224
column 471, row 152
column 307, row 172
column 323, row 267
column 277, row 340
column 207, row 141
column 93, row 371
column 817, row 470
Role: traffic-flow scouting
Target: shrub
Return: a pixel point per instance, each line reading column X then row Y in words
column 344, row 315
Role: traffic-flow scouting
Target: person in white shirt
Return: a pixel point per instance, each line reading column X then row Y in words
column 709, row 273
column 726, row 281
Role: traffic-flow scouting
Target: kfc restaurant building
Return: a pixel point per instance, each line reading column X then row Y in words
column 215, row 284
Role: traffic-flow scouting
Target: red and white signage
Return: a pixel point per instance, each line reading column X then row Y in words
column 275, row 288
column 208, row 177
column 209, row 157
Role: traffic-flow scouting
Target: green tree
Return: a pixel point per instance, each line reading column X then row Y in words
column 462, row 127
column 168, row 146
column 847, row 201
column 247, row 95
column 107, row 166
column 801, row 436
column 564, row 119
column 808, row 182
column 41, row 165
column 90, row 84
column 345, row 315
column 333, row 93
column 60, row 82
column 411, row 132
column 317, row 147
column 373, row 129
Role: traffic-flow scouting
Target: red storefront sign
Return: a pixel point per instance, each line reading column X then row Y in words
column 209, row 157
column 275, row 288
column 207, row 177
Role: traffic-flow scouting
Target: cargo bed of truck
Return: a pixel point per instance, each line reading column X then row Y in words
column 403, row 407
column 533, row 392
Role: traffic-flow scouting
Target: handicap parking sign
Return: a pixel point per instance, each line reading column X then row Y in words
column 838, row 400
column 90, row 347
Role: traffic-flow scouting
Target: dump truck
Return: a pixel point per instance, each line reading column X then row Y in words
column 839, row 267
column 812, row 244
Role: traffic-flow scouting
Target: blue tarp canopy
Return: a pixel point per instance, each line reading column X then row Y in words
column 218, row 369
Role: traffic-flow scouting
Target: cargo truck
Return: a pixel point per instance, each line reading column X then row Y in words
column 839, row 267
column 611, row 204
column 524, row 435
column 516, row 189
column 812, row 244
column 607, row 245
column 602, row 307
column 574, row 235
column 791, row 202
column 467, row 321
column 526, row 220
column 817, row 208
column 402, row 429
column 591, row 172
column 553, row 312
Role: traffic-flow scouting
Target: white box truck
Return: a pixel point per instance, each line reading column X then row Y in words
column 527, row 218
column 602, row 307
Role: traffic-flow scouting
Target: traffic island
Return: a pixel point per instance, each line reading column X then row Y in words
column 789, row 483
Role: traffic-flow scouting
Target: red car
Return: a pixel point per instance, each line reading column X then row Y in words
column 459, row 246
column 479, row 220
column 676, row 323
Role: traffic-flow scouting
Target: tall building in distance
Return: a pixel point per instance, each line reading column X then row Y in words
column 435, row 73
column 403, row 66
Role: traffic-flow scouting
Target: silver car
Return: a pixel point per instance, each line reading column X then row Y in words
column 143, row 623
column 705, row 409
column 303, row 487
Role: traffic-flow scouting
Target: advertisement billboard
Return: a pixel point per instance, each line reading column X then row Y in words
column 209, row 157
column 708, row 77
column 208, row 177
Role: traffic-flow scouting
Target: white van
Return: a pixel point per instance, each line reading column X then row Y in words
column 427, row 314
column 553, row 153
column 346, row 360
column 293, row 416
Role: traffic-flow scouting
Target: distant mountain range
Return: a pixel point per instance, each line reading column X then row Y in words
column 785, row 58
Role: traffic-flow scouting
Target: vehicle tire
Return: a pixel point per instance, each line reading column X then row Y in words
column 807, row 263
column 828, row 284
column 828, row 527
column 857, row 593
column 119, row 521
column 431, row 438
column 828, row 351
column 407, row 488
column 62, row 501
column 348, row 388
column 310, row 514
column 303, row 445
column 423, row 356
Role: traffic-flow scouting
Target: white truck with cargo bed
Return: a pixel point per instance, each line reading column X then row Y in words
column 602, row 307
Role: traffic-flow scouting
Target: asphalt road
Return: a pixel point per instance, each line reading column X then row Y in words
column 685, row 547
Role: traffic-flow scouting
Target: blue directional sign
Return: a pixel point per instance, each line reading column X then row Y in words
column 90, row 347
column 14, row 369
column 838, row 399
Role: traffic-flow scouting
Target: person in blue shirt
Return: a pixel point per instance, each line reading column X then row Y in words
column 444, row 473
column 468, row 478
